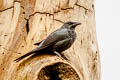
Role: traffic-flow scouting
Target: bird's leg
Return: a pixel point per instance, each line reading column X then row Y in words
column 60, row 55
column 64, row 56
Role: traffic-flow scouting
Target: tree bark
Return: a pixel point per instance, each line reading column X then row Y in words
column 25, row 22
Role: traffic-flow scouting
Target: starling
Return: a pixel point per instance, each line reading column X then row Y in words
column 57, row 42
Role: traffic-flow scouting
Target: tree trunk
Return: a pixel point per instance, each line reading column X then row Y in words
column 25, row 22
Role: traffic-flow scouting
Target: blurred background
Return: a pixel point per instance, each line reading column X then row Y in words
column 108, row 35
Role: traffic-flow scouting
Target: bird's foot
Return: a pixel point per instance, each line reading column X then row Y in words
column 60, row 55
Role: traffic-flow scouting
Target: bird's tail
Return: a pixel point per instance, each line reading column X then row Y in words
column 27, row 54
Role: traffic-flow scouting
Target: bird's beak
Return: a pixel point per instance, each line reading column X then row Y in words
column 76, row 23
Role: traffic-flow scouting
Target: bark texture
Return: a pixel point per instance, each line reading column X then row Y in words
column 25, row 22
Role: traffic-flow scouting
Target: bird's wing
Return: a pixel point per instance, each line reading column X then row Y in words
column 38, row 43
column 57, row 35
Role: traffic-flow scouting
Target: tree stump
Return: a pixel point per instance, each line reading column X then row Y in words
column 25, row 22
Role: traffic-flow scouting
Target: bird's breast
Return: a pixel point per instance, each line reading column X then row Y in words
column 72, row 34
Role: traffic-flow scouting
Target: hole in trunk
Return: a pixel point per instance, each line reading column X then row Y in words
column 58, row 71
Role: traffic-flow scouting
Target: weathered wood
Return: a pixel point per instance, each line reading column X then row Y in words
column 25, row 22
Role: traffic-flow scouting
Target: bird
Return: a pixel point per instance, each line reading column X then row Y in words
column 57, row 42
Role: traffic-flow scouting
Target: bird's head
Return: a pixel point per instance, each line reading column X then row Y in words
column 70, row 25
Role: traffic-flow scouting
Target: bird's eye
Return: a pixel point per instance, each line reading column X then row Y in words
column 70, row 23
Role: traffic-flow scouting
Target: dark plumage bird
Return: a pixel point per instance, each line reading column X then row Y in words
column 57, row 42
